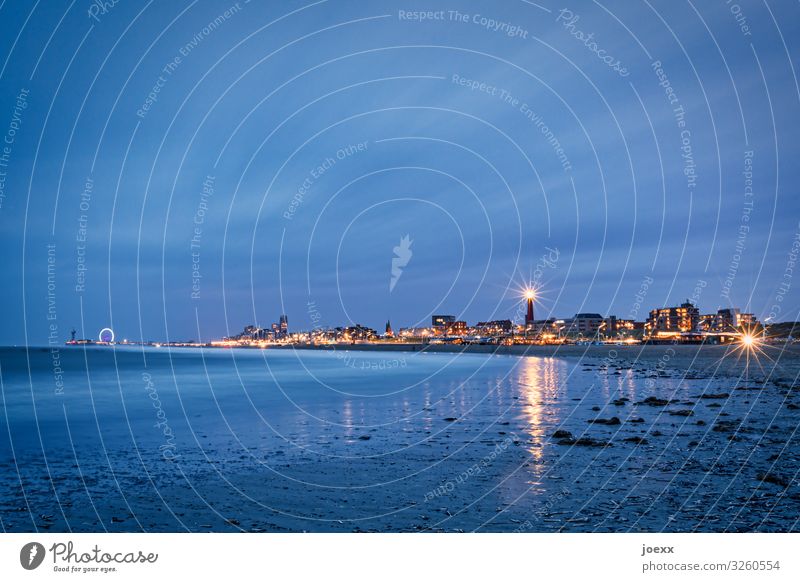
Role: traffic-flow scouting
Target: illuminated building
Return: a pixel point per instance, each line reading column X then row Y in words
column 682, row 319
column 747, row 320
column 356, row 332
column 415, row 332
column 585, row 324
column 615, row 326
column 262, row 334
column 727, row 320
column 457, row 328
column 388, row 332
column 496, row 327
column 442, row 321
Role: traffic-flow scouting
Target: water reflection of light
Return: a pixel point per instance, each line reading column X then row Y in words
column 539, row 384
column 427, row 407
column 347, row 418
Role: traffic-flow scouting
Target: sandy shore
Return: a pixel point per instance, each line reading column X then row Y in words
column 598, row 438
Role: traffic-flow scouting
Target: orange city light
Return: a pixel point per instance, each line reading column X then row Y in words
column 748, row 339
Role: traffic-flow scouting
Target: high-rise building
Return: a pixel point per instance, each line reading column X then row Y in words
column 682, row 319
column 283, row 325
column 747, row 319
column 585, row 324
column 442, row 321
column 727, row 320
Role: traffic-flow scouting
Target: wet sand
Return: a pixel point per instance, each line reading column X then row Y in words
column 600, row 438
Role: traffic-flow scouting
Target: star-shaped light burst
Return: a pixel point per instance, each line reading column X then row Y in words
column 751, row 345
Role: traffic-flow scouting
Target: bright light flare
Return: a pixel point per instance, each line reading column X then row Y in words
column 530, row 294
column 748, row 340
column 750, row 344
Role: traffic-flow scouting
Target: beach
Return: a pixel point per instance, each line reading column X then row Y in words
column 578, row 438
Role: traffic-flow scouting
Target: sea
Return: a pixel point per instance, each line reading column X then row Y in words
column 141, row 439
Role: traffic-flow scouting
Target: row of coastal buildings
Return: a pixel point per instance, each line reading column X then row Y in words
column 683, row 323
column 252, row 333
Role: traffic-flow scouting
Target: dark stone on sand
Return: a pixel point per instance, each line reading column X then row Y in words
column 656, row 433
column 612, row 421
column 450, row 419
column 684, row 412
column 636, row 420
column 233, row 521
column 715, row 405
column 792, row 406
column 726, row 426
column 701, row 423
column 364, row 437
column 636, row 440
column 562, row 434
column 719, row 395
column 779, row 480
column 596, row 408
column 584, row 442
column 653, row 401
column 115, row 519
column 619, row 402
column 693, row 443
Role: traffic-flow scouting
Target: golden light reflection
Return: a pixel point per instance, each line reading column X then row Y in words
column 539, row 382
column 347, row 418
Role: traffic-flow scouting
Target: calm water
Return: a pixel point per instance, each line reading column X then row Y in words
column 228, row 440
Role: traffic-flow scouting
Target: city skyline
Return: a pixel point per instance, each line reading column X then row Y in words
column 526, row 301
column 664, row 321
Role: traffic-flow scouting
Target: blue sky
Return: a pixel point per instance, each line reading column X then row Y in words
column 489, row 137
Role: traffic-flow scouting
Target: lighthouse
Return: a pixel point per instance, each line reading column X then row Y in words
column 530, row 295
